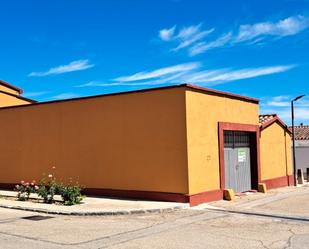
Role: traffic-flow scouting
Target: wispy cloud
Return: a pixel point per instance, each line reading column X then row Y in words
column 34, row 94
column 202, row 47
column 185, row 36
column 285, row 27
column 65, row 96
column 71, row 67
column 159, row 72
column 100, row 84
column 301, row 114
column 195, row 39
column 232, row 75
column 284, row 101
column 167, row 34
column 281, row 105
column 192, row 72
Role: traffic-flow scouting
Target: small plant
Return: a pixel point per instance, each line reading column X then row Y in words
column 71, row 194
column 48, row 188
column 25, row 189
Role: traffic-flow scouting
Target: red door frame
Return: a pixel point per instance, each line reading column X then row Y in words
column 224, row 126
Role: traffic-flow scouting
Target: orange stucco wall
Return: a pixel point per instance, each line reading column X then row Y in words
column 9, row 100
column 203, row 114
column 275, row 152
column 132, row 141
column 8, row 90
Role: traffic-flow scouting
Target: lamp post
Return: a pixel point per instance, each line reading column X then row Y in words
column 293, row 137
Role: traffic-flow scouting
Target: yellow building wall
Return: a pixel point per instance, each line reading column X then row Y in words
column 275, row 152
column 9, row 100
column 132, row 141
column 8, row 90
column 203, row 114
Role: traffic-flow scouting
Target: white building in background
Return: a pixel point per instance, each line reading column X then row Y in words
column 302, row 146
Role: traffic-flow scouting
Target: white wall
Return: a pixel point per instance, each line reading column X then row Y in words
column 302, row 154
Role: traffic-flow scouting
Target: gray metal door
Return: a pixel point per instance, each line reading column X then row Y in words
column 237, row 167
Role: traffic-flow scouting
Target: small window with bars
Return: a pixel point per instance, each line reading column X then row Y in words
column 234, row 139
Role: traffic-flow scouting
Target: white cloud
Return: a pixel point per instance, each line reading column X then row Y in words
column 281, row 105
column 278, row 103
column 34, row 94
column 185, row 36
column 280, row 98
column 247, row 73
column 167, row 34
column 284, row 101
column 91, row 83
column 71, row 67
column 300, row 114
column 159, row 72
column 195, row 39
column 286, row 27
column 187, row 32
column 65, row 96
column 203, row 46
column 189, row 73
column 186, row 42
column 157, row 81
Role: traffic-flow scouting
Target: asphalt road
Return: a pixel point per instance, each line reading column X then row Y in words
column 277, row 222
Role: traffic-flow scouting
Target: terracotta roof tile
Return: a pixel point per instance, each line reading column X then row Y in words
column 268, row 119
column 301, row 132
column 263, row 119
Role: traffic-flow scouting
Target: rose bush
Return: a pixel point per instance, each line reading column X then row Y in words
column 48, row 188
column 24, row 190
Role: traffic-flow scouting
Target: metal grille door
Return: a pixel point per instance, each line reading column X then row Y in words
column 237, row 161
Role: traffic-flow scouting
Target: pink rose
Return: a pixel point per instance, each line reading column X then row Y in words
column 22, row 182
column 36, row 187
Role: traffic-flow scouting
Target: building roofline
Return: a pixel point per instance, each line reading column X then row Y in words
column 15, row 88
column 221, row 93
column 189, row 86
column 18, row 97
column 273, row 120
column 299, row 126
column 301, row 138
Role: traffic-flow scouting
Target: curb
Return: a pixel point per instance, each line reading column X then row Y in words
column 95, row 213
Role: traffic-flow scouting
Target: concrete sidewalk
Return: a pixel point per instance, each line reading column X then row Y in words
column 91, row 206
column 115, row 206
column 252, row 200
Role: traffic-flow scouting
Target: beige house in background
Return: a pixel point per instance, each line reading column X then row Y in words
column 302, row 147
column 11, row 95
column 276, row 153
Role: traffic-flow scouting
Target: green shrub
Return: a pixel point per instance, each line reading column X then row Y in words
column 48, row 189
column 71, row 194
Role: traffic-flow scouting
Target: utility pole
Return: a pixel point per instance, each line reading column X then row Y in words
column 293, row 137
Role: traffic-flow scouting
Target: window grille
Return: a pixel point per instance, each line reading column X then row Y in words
column 236, row 139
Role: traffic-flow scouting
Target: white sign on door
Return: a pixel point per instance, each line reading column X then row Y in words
column 241, row 155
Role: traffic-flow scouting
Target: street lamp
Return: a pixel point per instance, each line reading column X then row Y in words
column 293, row 137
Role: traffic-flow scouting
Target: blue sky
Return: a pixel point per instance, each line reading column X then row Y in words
column 64, row 49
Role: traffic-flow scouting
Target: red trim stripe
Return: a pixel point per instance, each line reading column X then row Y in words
column 279, row 182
